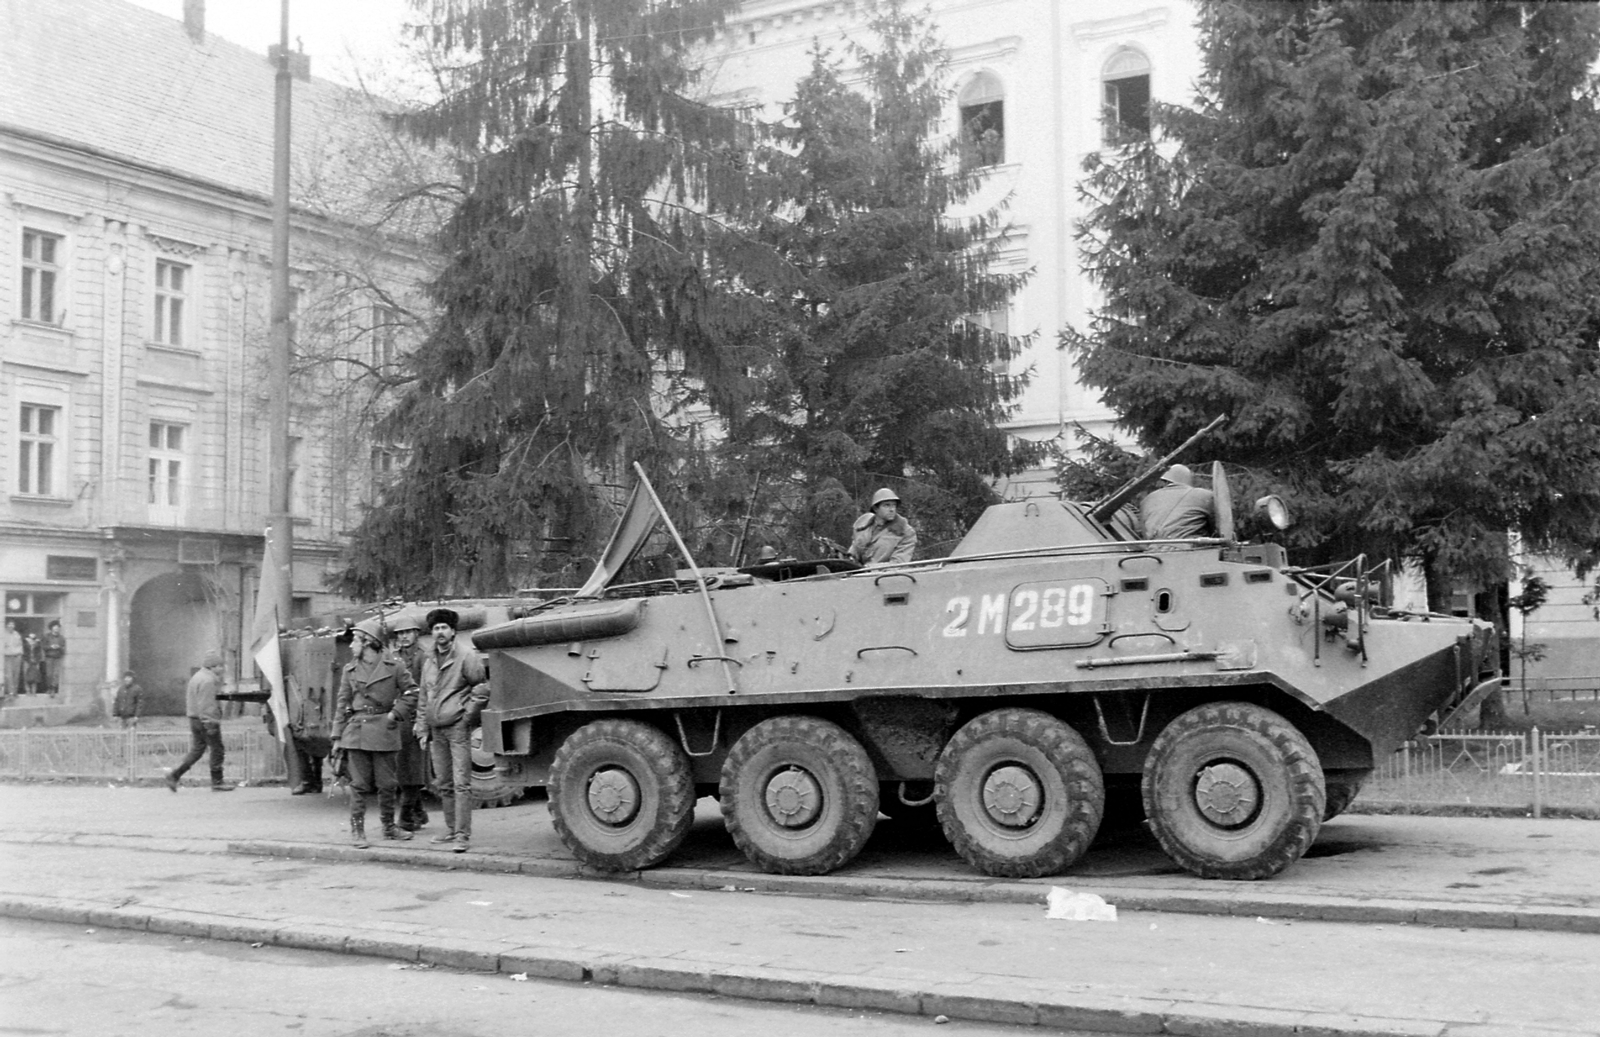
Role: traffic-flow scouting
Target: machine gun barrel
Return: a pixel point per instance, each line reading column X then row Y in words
column 1102, row 509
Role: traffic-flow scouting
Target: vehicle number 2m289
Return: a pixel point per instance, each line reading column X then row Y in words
column 1034, row 608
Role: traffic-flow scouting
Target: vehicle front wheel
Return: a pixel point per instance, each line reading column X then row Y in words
column 1233, row 791
column 799, row 795
column 1020, row 794
column 621, row 795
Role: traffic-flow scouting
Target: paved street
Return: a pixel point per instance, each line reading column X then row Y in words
column 117, row 983
column 936, row 940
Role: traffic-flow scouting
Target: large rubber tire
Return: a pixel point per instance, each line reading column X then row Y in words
column 621, row 795
column 1233, row 791
column 1341, row 792
column 1019, row 792
column 799, row 795
column 489, row 788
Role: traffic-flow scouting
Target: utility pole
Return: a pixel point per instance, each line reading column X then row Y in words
column 280, row 524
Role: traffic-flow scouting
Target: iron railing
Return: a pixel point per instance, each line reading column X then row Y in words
column 132, row 755
column 1533, row 771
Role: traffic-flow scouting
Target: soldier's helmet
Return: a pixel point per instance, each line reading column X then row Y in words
column 1178, row 475
column 405, row 621
column 883, row 496
column 767, row 554
column 372, row 630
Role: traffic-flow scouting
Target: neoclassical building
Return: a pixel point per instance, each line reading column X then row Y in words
column 135, row 207
column 1036, row 87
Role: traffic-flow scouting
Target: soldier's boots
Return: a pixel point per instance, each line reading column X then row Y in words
column 358, row 831
column 390, row 831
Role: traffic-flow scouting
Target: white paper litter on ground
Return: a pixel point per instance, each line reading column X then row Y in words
column 1078, row 907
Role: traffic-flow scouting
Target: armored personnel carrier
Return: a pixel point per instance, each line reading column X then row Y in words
column 1004, row 689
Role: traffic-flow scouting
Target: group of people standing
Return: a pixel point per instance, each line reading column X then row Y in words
column 33, row 662
column 395, row 706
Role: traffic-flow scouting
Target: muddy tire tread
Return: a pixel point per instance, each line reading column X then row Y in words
column 1085, row 789
column 1306, row 795
column 662, row 760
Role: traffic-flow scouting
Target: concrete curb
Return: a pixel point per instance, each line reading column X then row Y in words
column 1224, row 901
column 977, row 1000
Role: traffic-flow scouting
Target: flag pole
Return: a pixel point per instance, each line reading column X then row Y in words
column 700, row 581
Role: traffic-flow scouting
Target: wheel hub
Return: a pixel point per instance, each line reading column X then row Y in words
column 614, row 796
column 1012, row 795
column 793, row 798
column 1227, row 794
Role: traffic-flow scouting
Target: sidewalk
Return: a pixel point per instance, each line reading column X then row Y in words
column 986, row 953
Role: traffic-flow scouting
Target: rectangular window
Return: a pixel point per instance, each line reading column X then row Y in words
column 166, row 464
column 40, row 276
column 385, row 322
column 38, row 427
column 983, row 134
column 172, row 287
column 32, row 611
column 1127, row 108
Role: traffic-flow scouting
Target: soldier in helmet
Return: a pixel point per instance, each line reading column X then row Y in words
column 377, row 697
column 412, row 764
column 883, row 534
column 1178, row 509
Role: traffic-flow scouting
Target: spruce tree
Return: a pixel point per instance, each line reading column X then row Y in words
column 583, row 272
column 1375, row 243
column 880, row 369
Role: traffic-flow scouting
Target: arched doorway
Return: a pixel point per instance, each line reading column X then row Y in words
column 171, row 624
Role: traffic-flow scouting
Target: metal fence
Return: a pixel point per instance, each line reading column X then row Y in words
column 131, row 755
column 1535, row 772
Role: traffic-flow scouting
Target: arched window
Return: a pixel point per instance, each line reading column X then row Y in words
column 1125, row 97
column 983, row 121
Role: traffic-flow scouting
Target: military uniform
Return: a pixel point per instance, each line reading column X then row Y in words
column 878, row 541
column 376, row 698
column 1177, row 512
column 412, row 764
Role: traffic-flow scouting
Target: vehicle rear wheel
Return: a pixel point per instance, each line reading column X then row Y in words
column 799, row 795
column 489, row 788
column 621, row 795
column 1233, row 791
column 1020, row 794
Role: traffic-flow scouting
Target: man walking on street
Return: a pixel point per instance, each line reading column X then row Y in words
column 377, row 698
column 454, row 692
column 205, row 722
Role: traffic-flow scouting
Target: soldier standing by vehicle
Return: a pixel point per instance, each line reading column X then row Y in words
column 130, row 699
column 205, row 722
column 883, row 534
column 1178, row 509
column 377, row 697
column 454, row 691
column 412, row 764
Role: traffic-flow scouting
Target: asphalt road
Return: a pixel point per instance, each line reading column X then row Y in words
column 56, row 979
column 142, row 857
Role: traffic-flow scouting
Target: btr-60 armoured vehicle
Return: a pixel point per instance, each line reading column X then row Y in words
column 1005, row 687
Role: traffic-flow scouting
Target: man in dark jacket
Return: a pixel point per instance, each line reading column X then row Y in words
column 205, row 722
column 129, row 701
column 412, row 763
column 53, row 649
column 454, row 691
column 376, row 698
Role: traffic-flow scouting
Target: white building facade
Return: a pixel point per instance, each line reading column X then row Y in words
column 135, row 214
